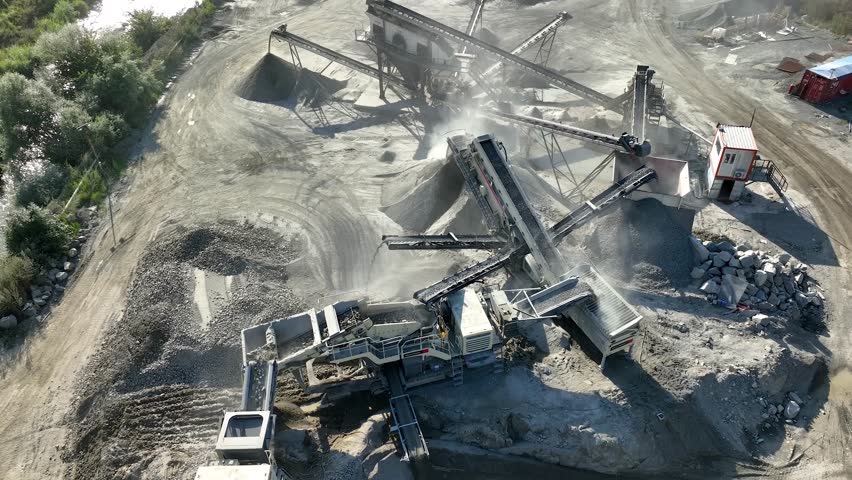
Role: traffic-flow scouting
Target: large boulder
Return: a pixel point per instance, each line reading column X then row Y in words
column 697, row 273
column 760, row 278
column 725, row 256
column 791, row 410
column 710, row 287
column 9, row 321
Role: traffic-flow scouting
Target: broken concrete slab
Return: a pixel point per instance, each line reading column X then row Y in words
column 710, row 287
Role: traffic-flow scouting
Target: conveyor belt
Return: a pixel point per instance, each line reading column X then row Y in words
column 536, row 37
column 443, row 242
column 462, row 159
column 558, row 128
column 475, row 17
column 405, row 423
column 573, row 220
column 640, row 97
column 526, row 221
column 283, row 34
column 462, row 278
column 259, row 381
column 601, row 202
column 398, row 11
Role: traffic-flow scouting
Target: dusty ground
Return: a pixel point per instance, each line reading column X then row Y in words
column 228, row 145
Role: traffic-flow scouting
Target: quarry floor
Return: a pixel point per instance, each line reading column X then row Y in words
column 227, row 146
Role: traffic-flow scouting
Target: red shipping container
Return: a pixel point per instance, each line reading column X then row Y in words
column 825, row 82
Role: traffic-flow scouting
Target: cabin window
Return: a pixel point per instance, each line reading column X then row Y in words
column 730, row 157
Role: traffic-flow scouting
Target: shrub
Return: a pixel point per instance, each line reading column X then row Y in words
column 17, row 59
column 16, row 273
column 145, row 27
column 36, row 233
column 39, row 189
column 92, row 187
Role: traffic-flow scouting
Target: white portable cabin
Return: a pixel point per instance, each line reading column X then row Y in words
column 732, row 158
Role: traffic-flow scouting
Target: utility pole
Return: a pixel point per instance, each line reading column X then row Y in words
column 109, row 190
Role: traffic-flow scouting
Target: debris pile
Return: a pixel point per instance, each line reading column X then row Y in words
column 737, row 275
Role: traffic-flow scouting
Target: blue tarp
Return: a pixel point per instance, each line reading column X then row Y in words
column 836, row 69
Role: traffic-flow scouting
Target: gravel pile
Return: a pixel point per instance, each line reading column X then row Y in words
column 161, row 380
column 639, row 243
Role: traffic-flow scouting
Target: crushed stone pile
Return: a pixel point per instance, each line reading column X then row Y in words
column 638, row 243
column 161, row 380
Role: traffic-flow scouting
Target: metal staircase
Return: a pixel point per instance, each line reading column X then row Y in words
column 457, row 370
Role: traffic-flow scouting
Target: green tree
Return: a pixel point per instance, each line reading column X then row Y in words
column 145, row 27
column 36, row 233
column 26, row 114
column 74, row 54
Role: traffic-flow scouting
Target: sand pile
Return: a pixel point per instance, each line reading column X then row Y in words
column 274, row 80
column 422, row 195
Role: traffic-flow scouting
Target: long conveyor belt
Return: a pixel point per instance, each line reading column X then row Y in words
column 558, row 128
column 640, row 97
column 443, row 242
column 283, row 34
column 573, row 220
column 526, row 221
column 395, row 10
column 533, row 39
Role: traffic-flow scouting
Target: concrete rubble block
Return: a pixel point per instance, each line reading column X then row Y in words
column 710, row 287
column 784, row 258
column 762, row 319
column 52, row 273
column 718, row 261
column 735, row 263
column 789, row 286
column 791, row 410
column 72, row 253
column 697, row 273
column 769, row 268
column 743, row 247
column 799, row 278
column 815, row 299
column 760, row 278
column 729, row 271
column 714, row 271
column 795, row 397
column 706, row 265
column 710, row 246
column 761, row 295
column 61, row 276
column 742, row 274
column 732, row 289
column 68, row 266
column 9, row 321
column 726, row 246
column 701, row 252
column 774, row 300
column 751, row 289
column 778, row 280
column 725, row 256
column 765, row 306
column 747, row 260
